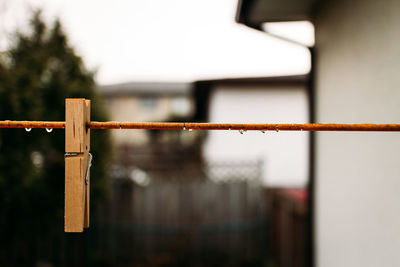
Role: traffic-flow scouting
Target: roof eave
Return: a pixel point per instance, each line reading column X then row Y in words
column 254, row 13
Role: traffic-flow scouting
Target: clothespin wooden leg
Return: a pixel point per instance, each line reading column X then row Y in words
column 77, row 146
column 88, row 161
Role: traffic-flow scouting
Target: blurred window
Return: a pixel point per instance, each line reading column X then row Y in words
column 148, row 103
column 181, row 106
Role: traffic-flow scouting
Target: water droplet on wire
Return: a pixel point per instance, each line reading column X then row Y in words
column 263, row 132
column 242, row 131
column 184, row 128
column 28, row 129
column 49, row 130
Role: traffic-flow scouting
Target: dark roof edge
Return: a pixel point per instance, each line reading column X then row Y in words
column 242, row 10
column 273, row 80
column 146, row 88
column 245, row 7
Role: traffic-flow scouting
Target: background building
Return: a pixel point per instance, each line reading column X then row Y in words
column 139, row 152
column 146, row 101
column 214, row 187
column 284, row 156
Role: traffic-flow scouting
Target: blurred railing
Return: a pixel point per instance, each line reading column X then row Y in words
column 217, row 219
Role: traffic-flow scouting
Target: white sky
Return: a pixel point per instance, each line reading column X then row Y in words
column 162, row 40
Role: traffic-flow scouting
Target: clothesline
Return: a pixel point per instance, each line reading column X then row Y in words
column 207, row 126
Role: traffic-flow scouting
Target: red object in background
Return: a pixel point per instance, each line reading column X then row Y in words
column 298, row 195
column 288, row 220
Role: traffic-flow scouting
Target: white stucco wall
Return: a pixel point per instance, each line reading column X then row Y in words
column 358, row 174
column 284, row 154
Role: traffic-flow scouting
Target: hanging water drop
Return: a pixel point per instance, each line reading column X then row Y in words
column 242, row 131
column 28, row 129
column 184, row 128
column 229, row 128
column 49, row 130
column 263, row 132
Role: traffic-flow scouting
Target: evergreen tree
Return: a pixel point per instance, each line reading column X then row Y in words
column 37, row 73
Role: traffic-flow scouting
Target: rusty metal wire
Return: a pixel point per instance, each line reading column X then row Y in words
column 33, row 124
column 208, row 126
column 245, row 127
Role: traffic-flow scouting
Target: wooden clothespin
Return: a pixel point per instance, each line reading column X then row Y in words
column 77, row 164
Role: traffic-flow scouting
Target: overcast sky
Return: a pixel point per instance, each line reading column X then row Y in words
column 162, row 40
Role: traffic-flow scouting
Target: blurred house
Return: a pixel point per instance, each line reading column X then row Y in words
column 139, row 152
column 355, row 80
column 177, row 196
column 144, row 102
column 258, row 100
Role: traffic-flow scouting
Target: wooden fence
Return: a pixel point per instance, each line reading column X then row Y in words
column 220, row 219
